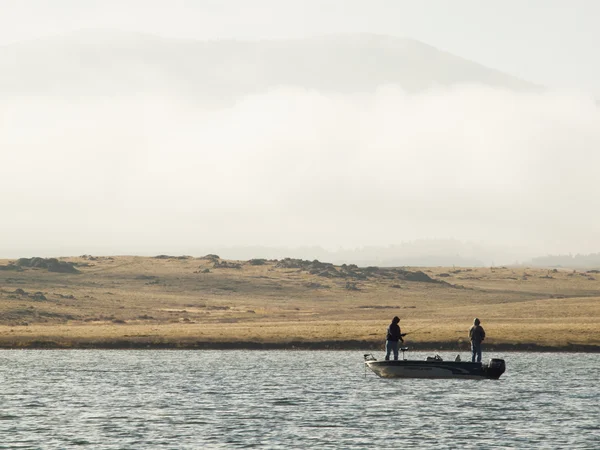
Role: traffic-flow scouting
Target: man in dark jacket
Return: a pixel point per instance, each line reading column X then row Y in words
column 477, row 335
column 394, row 336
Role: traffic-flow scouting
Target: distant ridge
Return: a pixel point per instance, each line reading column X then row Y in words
column 115, row 62
column 419, row 253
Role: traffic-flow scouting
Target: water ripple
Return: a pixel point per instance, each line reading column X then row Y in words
column 277, row 399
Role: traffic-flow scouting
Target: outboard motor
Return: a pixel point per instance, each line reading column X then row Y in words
column 495, row 367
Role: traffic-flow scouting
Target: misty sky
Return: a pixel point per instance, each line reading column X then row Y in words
column 292, row 166
column 553, row 42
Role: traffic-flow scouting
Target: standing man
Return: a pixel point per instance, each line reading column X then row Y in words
column 393, row 336
column 477, row 335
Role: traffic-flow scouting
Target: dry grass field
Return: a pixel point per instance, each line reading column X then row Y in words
column 186, row 302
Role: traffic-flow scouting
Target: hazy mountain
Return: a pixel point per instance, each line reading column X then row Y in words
column 114, row 149
column 579, row 261
column 114, row 63
column 422, row 252
column 418, row 253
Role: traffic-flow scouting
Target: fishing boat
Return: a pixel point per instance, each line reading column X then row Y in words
column 435, row 367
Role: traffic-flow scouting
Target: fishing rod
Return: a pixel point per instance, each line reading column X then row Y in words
column 416, row 331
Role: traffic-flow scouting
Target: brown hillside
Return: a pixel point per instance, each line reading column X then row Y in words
column 208, row 302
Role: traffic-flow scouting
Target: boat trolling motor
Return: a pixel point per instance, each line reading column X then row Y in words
column 370, row 357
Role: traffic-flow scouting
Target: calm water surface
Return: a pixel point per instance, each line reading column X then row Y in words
column 155, row 399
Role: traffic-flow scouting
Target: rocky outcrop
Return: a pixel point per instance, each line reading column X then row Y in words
column 257, row 262
column 226, row 265
column 210, row 257
column 172, row 257
column 37, row 296
column 352, row 271
column 50, row 264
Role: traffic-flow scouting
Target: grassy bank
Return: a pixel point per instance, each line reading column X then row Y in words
column 169, row 302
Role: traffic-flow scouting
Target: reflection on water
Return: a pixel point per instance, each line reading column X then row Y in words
column 157, row 399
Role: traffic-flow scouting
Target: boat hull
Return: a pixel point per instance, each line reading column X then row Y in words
column 437, row 369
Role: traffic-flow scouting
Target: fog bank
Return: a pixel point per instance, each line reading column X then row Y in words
column 289, row 166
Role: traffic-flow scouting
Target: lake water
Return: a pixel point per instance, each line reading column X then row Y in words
column 161, row 399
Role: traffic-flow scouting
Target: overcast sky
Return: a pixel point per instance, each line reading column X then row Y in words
column 553, row 42
column 291, row 166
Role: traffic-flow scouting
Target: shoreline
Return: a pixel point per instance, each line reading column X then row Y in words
column 291, row 345
column 130, row 302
